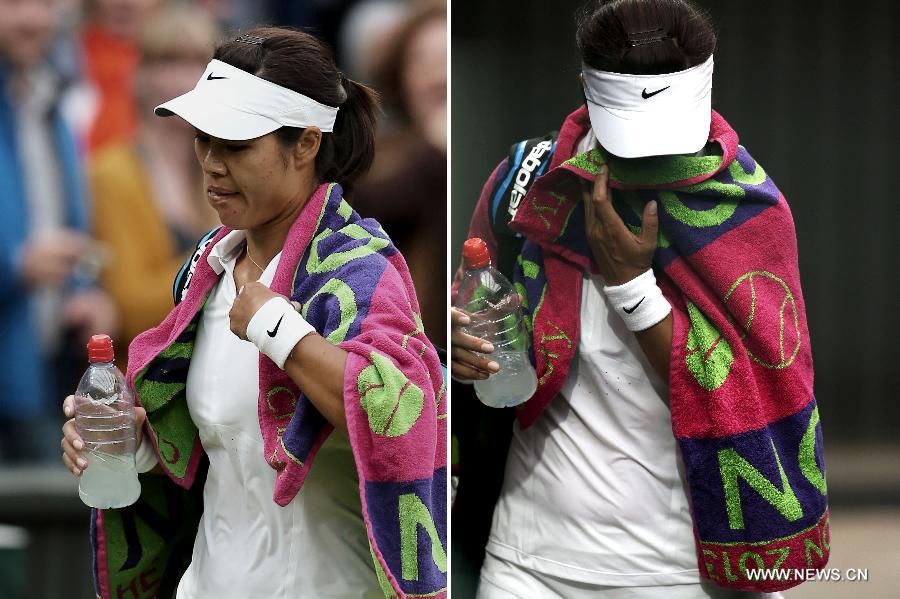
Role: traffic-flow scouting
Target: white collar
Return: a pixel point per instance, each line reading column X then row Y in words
column 224, row 252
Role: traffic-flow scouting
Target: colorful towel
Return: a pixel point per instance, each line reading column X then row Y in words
column 741, row 374
column 356, row 291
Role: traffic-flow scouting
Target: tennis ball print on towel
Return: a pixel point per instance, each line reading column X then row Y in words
column 391, row 401
column 769, row 329
column 766, row 310
column 708, row 355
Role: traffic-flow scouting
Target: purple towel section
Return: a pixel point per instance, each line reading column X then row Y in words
column 398, row 503
column 761, row 520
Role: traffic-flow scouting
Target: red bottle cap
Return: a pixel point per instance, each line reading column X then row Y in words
column 475, row 253
column 100, row 349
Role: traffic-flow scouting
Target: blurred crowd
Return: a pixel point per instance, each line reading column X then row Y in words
column 102, row 202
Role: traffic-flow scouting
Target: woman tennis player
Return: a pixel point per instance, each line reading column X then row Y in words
column 294, row 318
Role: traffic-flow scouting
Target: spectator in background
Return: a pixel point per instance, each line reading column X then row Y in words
column 366, row 32
column 407, row 188
column 148, row 195
column 65, row 53
column 42, row 237
column 413, row 75
column 109, row 43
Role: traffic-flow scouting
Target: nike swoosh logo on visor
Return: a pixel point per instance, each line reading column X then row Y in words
column 645, row 95
column 211, row 77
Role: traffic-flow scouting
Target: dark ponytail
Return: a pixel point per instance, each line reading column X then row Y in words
column 301, row 62
column 351, row 148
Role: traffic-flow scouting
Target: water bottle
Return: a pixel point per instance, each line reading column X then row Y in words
column 104, row 418
column 492, row 304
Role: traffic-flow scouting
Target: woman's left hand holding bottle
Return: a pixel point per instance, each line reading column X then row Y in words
column 73, row 445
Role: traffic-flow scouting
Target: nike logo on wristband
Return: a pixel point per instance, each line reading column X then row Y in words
column 274, row 331
column 212, row 77
column 646, row 96
column 635, row 307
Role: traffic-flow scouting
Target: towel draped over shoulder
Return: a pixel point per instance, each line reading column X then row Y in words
column 356, row 291
column 741, row 372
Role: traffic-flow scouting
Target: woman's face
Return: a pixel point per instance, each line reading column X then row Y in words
column 249, row 183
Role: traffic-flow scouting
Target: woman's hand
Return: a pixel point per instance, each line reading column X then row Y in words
column 250, row 298
column 466, row 352
column 620, row 254
column 315, row 364
column 73, row 445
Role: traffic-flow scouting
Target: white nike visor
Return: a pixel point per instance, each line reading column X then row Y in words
column 650, row 115
column 232, row 104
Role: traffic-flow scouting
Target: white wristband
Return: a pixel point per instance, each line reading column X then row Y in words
column 276, row 328
column 639, row 302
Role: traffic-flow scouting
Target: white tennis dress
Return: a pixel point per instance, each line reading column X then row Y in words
column 246, row 545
